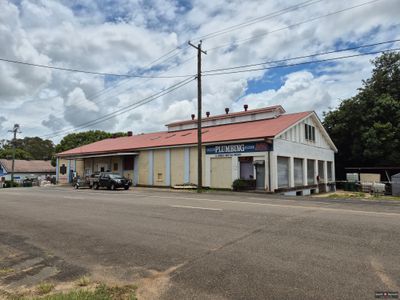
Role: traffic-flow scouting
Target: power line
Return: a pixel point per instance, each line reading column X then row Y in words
column 303, row 56
column 123, row 109
column 302, row 63
column 257, row 20
column 291, row 26
column 184, row 45
column 89, row 72
column 136, row 105
column 123, row 82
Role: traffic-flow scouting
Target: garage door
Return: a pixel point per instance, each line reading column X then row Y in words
column 221, row 173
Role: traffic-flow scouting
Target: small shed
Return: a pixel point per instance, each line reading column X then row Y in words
column 396, row 185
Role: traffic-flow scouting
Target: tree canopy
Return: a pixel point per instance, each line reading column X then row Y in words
column 366, row 127
column 37, row 148
column 74, row 140
column 29, row 148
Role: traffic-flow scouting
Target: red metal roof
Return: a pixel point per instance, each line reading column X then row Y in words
column 229, row 132
column 230, row 115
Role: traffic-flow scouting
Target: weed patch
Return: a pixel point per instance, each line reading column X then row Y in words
column 44, row 288
column 6, row 271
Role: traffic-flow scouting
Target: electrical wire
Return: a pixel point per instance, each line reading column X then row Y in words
column 302, row 63
column 90, row 72
column 303, row 56
column 120, row 84
column 123, row 109
column 291, row 26
column 256, row 20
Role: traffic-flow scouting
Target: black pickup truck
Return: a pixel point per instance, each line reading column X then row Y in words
column 111, row 181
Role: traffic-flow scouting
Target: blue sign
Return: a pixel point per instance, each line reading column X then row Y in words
column 239, row 148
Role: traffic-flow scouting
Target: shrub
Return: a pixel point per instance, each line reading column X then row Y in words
column 9, row 184
column 243, row 184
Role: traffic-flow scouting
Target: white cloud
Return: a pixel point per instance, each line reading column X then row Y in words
column 104, row 37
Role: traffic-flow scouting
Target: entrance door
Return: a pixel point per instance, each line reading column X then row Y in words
column 260, row 177
column 102, row 167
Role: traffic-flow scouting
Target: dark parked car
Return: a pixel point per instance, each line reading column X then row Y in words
column 111, row 181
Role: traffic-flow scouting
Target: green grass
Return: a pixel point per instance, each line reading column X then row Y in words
column 44, row 288
column 348, row 195
column 387, row 198
column 101, row 292
column 6, row 271
column 84, row 281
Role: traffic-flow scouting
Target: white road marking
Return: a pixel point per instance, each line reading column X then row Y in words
column 73, row 197
column 196, row 207
column 330, row 209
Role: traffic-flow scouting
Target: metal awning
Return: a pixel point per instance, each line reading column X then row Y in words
column 100, row 155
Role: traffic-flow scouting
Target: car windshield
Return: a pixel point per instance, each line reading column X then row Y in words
column 116, row 176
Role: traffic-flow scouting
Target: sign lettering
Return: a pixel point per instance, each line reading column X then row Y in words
column 239, row 148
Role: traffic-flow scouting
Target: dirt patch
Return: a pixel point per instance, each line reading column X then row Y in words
column 24, row 266
column 153, row 286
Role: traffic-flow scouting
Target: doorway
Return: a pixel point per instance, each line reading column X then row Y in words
column 102, row 167
column 260, row 176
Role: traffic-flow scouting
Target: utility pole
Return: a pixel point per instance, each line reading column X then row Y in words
column 15, row 130
column 199, row 117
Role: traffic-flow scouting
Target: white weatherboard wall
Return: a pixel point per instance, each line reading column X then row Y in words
column 292, row 144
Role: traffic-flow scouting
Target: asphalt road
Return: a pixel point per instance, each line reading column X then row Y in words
column 181, row 245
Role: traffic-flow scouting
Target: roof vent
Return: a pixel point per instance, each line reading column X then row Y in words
column 208, row 114
column 227, row 110
column 192, row 116
column 130, row 133
column 245, row 107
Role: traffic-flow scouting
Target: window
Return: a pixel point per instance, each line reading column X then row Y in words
column 115, row 167
column 298, row 172
column 309, row 132
column 330, row 171
column 283, row 172
column 159, row 177
column 128, row 163
column 310, row 172
column 321, row 170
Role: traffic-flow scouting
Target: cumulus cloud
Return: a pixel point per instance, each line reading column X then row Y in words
column 2, row 121
column 125, row 38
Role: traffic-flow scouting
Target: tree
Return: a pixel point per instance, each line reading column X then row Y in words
column 366, row 127
column 29, row 148
column 74, row 140
column 19, row 154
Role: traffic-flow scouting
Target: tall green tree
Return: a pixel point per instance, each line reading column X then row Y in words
column 366, row 127
column 74, row 140
column 19, row 154
column 29, row 148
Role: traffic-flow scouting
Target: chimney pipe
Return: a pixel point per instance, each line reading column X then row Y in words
column 227, row 110
column 130, row 133
column 207, row 114
column 245, row 107
column 193, row 116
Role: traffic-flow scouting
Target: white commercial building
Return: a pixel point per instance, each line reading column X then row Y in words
column 275, row 151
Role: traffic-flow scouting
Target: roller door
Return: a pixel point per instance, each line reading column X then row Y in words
column 221, row 173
